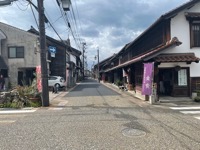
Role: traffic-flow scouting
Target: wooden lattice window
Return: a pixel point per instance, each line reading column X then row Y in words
column 195, row 34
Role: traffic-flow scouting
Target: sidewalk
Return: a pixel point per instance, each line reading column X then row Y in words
column 164, row 101
column 57, row 99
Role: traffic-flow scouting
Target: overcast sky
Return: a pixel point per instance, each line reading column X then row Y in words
column 104, row 24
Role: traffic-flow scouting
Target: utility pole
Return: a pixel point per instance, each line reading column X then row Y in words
column 98, row 64
column 43, row 55
column 83, row 59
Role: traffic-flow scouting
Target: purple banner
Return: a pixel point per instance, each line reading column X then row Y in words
column 147, row 79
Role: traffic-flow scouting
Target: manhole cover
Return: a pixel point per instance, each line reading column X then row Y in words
column 130, row 132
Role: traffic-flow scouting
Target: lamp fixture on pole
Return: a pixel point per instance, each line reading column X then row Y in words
column 6, row 2
column 65, row 4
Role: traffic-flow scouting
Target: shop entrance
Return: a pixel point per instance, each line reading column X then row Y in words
column 165, row 82
column 173, row 82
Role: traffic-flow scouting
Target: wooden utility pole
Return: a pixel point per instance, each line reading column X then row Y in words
column 83, row 60
column 43, row 54
column 98, row 65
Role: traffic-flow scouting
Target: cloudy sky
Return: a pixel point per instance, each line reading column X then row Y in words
column 106, row 25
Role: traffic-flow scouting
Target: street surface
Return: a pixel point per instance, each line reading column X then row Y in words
column 93, row 117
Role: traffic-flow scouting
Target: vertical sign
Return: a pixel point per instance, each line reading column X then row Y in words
column 147, row 79
column 39, row 80
column 52, row 50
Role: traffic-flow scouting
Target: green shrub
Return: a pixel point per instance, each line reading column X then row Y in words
column 118, row 82
column 21, row 97
column 35, row 104
column 197, row 99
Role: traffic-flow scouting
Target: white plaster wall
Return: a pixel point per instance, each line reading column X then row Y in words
column 180, row 29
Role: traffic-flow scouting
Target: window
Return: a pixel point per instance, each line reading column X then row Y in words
column 138, row 76
column 195, row 34
column 16, row 52
column 194, row 21
column 181, row 77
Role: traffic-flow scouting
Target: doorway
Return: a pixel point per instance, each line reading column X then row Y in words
column 165, row 82
column 173, row 82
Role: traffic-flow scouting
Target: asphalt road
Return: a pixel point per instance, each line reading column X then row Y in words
column 94, row 117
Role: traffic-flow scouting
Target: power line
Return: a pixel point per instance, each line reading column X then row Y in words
column 67, row 22
column 34, row 16
column 22, row 5
column 78, row 17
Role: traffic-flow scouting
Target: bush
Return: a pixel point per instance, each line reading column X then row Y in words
column 118, row 83
column 197, row 99
column 21, row 97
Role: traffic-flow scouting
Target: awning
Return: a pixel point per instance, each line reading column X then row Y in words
column 177, row 57
column 3, row 64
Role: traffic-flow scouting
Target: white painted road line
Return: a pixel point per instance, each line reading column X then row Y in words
column 16, row 111
column 190, row 112
column 55, row 108
column 7, row 121
column 184, row 108
column 63, row 103
column 197, row 118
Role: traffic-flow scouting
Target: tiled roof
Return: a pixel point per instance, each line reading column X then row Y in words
column 2, row 64
column 177, row 57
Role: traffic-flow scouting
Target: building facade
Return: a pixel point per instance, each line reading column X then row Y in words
column 172, row 44
column 19, row 52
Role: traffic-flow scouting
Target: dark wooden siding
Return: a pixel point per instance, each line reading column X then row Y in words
column 195, row 83
column 158, row 35
column 58, row 63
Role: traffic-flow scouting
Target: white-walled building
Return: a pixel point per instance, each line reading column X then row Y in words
column 172, row 44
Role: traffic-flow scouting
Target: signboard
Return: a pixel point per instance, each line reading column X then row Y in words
column 52, row 49
column 147, row 79
column 52, row 54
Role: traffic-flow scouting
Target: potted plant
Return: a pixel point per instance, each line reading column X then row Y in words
column 197, row 97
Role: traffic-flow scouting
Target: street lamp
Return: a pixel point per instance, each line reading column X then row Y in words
column 6, row 2
column 65, row 4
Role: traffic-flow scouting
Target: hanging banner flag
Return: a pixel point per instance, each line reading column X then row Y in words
column 147, row 79
column 39, row 80
column 124, row 73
